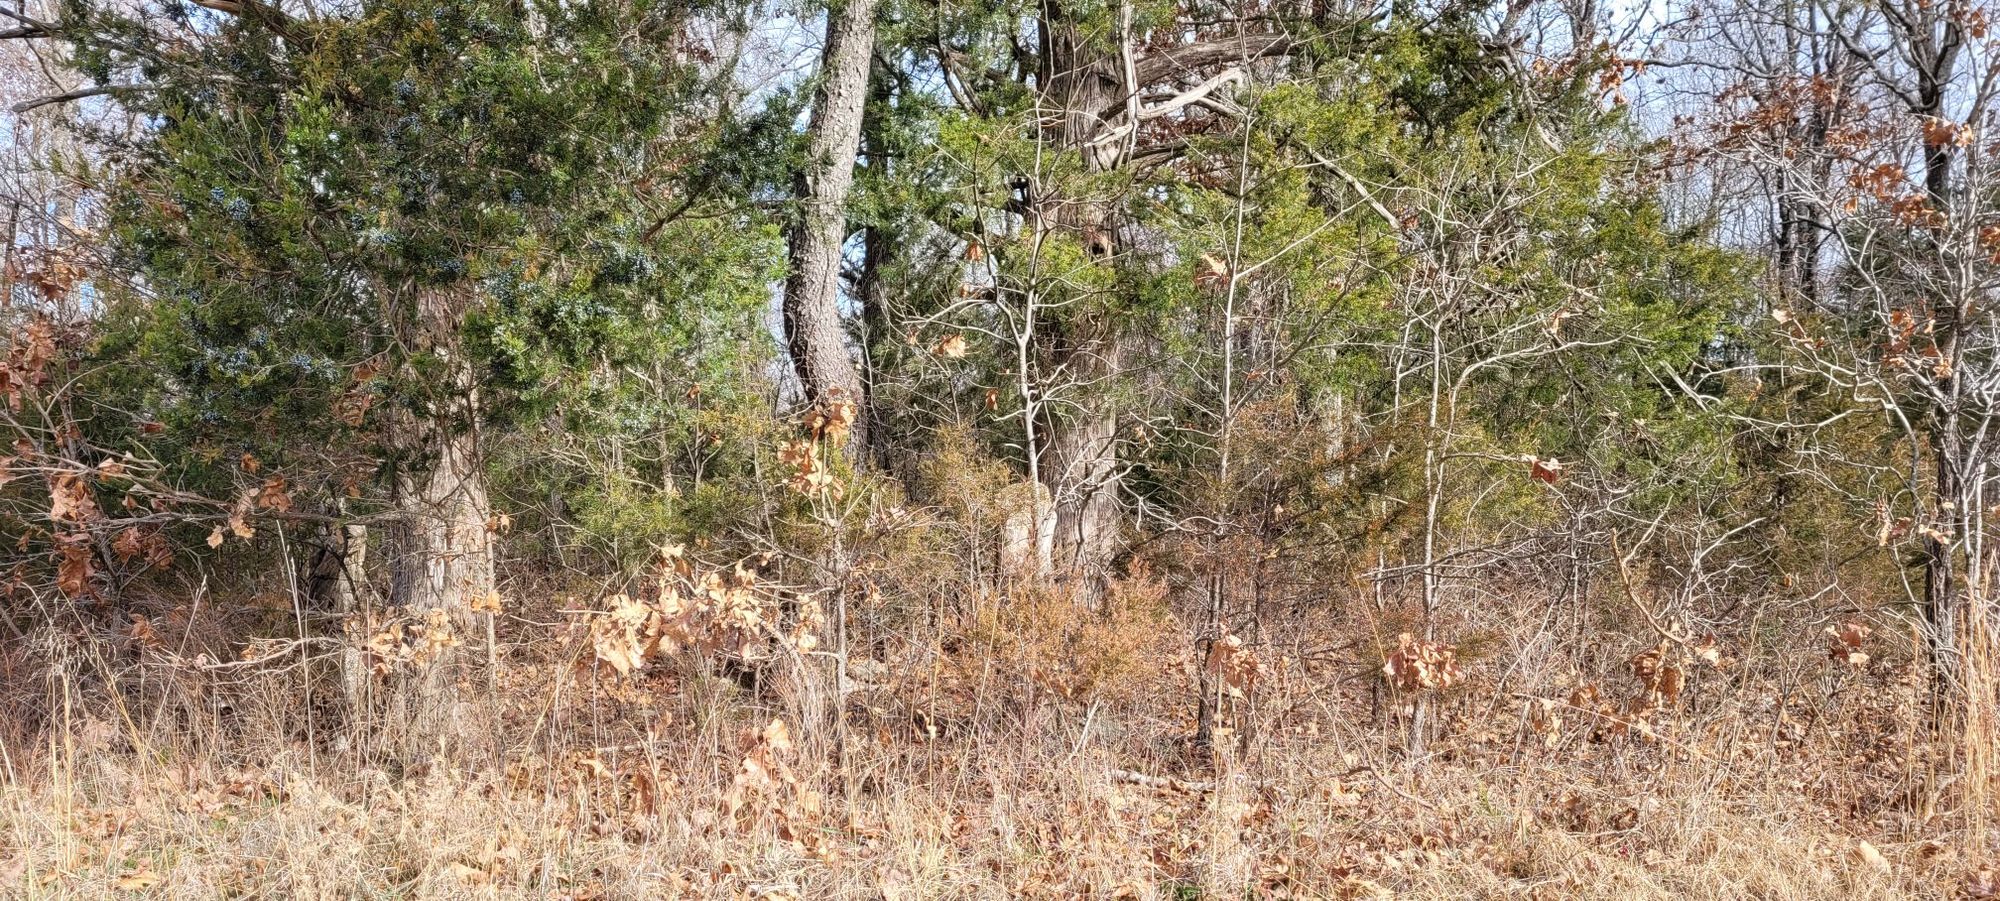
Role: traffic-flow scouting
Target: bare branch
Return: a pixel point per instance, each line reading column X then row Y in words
column 1358, row 188
column 1192, row 95
column 32, row 27
column 1161, row 65
column 267, row 14
column 80, row 94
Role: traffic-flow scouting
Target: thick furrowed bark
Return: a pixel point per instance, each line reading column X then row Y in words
column 441, row 560
column 440, row 552
column 1081, row 470
column 813, row 333
column 1083, row 477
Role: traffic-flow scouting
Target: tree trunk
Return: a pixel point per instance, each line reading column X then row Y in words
column 875, row 255
column 440, row 552
column 1082, row 473
column 813, row 332
column 335, row 583
column 1082, row 82
column 1944, row 596
column 879, row 250
column 442, row 560
column 1941, row 577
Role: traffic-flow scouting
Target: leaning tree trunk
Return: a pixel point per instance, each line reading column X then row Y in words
column 813, row 332
column 440, row 551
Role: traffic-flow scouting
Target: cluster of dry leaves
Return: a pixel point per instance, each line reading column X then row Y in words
column 714, row 613
column 1422, row 665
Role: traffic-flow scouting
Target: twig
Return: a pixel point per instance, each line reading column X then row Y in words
column 81, row 93
column 1632, row 594
column 1643, row 728
column 1162, row 783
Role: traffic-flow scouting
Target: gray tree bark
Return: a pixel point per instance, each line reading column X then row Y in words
column 336, row 585
column 1933, row 41
column 440, row 552
column 814, row 335
column 1083, row 83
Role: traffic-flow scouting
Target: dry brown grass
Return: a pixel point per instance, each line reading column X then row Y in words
column 959, row 784
column 1002, row 825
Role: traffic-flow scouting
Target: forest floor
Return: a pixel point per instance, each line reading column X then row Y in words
column 958, row 777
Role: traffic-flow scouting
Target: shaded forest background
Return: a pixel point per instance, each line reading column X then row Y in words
column 908, row 449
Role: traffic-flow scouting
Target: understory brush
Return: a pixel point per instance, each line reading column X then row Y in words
column 1017, row 749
